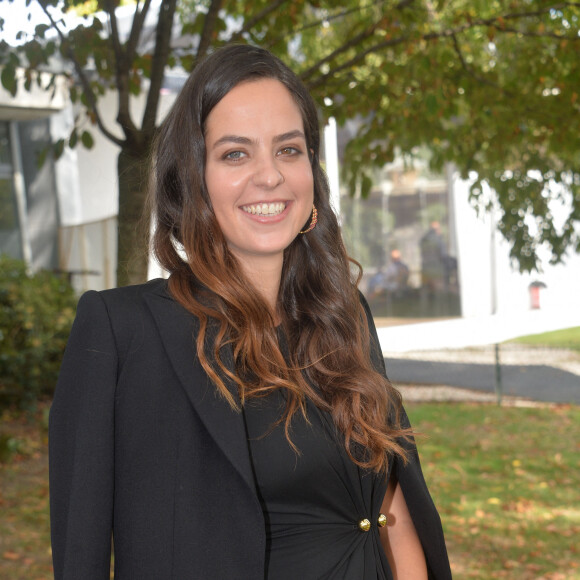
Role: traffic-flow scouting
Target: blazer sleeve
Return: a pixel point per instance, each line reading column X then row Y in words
column 81, row 447
column 410, row 477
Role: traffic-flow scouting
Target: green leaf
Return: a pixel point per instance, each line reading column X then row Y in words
column 58, row 149
column 87, row 140
column 40, row 30
column 8, row 78
column 366, row 186
column 73, row 139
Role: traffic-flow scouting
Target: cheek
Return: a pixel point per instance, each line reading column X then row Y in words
column 308, row 186
column 224, row 186
column 304, row 182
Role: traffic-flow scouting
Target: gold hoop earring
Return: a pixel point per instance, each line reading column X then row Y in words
column 313, row 221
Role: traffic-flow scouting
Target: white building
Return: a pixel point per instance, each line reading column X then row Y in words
column 62, row 215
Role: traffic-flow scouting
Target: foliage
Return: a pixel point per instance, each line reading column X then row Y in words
column 491, row 86
column 566, row 338
column 36, row 313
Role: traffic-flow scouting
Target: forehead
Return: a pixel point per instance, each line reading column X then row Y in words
column 256, row 105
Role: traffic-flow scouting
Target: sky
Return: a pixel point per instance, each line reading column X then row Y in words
column 15, row 15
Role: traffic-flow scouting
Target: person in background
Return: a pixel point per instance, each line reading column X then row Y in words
column 235, row 420
column 396, row 275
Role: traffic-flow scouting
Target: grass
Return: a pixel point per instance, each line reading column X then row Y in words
column 567, row 338
column 506, row 482
column 24, row 525
column 505, row 479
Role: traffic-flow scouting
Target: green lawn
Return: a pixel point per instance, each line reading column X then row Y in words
column 567, row 338
column 506, row 481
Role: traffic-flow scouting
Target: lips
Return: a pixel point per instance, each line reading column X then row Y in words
column 265, row 209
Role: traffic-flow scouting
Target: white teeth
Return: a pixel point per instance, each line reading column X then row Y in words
column 265, row 208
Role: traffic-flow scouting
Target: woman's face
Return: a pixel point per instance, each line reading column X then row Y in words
column 258, row 171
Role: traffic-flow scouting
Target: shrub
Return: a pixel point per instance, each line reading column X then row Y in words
column 36, row 314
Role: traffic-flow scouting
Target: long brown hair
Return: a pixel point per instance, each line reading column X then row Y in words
column 324, row 323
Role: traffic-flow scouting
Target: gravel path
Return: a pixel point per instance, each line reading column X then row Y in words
column 447, row 394
column 510, row 354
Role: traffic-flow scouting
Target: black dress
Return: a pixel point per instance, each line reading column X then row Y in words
column 313, row 501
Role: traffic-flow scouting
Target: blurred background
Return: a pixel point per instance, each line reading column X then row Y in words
column 451, row 144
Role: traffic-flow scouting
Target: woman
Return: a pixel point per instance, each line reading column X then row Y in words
column 235, row 421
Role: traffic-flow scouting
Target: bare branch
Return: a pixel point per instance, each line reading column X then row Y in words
column 114, row 32
column 136, row 28
column 159, row 62
column 86, row 85
column 122, row 70
column 208, row 27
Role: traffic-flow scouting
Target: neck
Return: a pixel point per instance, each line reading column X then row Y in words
column 264, row 275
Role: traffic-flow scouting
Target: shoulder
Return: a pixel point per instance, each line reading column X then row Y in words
column 135, row 293
column 127, row 311
column 124, row 300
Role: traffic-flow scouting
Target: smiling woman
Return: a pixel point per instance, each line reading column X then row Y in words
column 236, row 420
column 259, row 177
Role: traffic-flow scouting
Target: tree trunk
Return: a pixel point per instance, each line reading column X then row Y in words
column 133, row 224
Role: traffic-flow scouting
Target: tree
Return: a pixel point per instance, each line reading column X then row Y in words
column 489, row 85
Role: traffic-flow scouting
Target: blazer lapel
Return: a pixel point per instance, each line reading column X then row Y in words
column 178, row 329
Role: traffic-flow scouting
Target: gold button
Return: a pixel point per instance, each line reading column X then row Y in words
column 364, row 525
column 382, row 521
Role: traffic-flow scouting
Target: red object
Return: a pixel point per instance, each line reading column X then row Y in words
column 534, row 297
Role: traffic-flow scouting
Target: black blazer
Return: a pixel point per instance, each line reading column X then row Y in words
column 143, row 447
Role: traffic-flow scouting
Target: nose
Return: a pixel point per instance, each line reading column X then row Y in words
column 267, row 173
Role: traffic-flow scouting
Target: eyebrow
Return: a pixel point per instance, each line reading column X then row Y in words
column 296, row 134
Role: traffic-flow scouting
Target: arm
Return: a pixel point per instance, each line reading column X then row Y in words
column 81, row 448
column 399, row 537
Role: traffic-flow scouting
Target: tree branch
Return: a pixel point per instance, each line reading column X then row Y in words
column 271, row 7
column 355, row 60
column 159, row 62
column 136, row 28
column 468, row 69
column 352, row 42
column 496, row 21
column 208, row 28
column 122, row 71
column 450, row 33
column 86, row 85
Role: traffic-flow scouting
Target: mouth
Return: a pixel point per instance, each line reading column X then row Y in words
column 265, row 209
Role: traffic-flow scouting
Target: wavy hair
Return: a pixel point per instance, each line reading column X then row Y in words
column 324, row 322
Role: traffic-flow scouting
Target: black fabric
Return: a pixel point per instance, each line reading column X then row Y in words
column 410, row 477
column 313, row 499
column 144, row 449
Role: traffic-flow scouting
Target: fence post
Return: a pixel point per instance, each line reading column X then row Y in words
column 498, row 385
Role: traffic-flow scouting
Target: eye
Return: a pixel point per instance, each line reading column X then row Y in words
column 288, row 151
column 234, row 156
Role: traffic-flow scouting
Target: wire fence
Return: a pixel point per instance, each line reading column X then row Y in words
column 492, row 373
